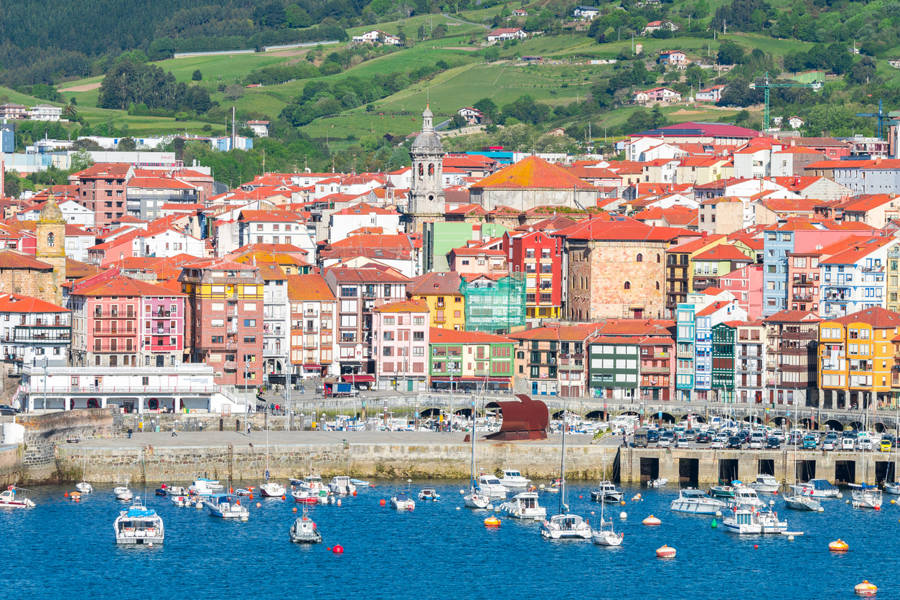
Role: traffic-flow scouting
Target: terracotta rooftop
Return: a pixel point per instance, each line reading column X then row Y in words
column 877, row 317
column 451, row 336
column 566, row 333
column 123, row 286
column 310, row 288
column 435, row 284
column 403, row 306
column 16, row 303
column 532, row 173
column 723, row 252
column 10, row 259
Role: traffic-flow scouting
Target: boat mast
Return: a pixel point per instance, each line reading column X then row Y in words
column 472, row 480
column 562, row 467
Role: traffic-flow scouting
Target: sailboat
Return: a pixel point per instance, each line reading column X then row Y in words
column 606, row 535
column 564, row 525
column 83, row 486
column 270, row 489
column 475, row 499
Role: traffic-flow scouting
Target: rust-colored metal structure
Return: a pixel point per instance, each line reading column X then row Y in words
column 523, row 419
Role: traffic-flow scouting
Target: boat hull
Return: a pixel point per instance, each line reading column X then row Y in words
column 696, row 507
column 607, row 538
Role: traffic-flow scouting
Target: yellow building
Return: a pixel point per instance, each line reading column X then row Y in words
column 856, row 357
column 446, row 303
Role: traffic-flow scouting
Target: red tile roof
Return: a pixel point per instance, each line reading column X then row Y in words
column 104, row 171
column 877, row 317
column 867, row 202
column 630, row 230
column 858, row 251
column 532, row 173
column 712, row 308
column 566, row 333
column 16, row 303
column 792, row 316
column 10, row 259
column 723, row 252
column 403, row 306
column 451, row 336
column 436, row 284
column 310, row 288
column 123, row 286
column 158, row 183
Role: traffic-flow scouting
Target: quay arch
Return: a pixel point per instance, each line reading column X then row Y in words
column 694, row 416
column 856, row 425
column 782, row 421
column 834, row 425
column 596, row 415
column 807, row 423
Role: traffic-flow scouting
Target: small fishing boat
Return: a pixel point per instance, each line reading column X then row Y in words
column 180, row 500
column 226, row 506
column 84, row 487
column 491, row 487
column 244, row 492
column 306, row 496
column 524, row 505
column 403, row 501
column 11, row 498
column 139, row 526
column 658, row 483
column 746, row 496
column 429, row 494
column 176, row 490
column 309, row 483
column 162, row 491
column 765, row 484
column 304, row 531
column 341, row 486
column 726, row 492
column 802, row 502
column 514, row 481
column 271, row 489
column 817, row 488
column 360, row 483
column 892, row 488
column 123, row 493
column 607, row 491
column 865, row 496
column 553, row 488
column 205, row 487
column 696, row 502
column 750, row 521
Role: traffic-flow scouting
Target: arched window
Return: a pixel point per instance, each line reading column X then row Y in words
column 431, row 168
column 51, row 239
column 627, row 285
column 657, row 285
column 640, row 257
column 421, row 169
column 658, row 259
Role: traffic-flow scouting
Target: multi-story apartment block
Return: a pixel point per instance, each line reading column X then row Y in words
column 358, row 292
column 226, row 319
column 400, row 336
column 723, row 362
column 856, row 358
column 854, row 279
column 469, row 360
column 120, row 321
column 33, row 332
column 440, row 291
column 276, row 319
column 101, row 188
column 749, row 362
column 551, row 361
column 791, row 363
column 313, row 311
column 539, row 256
column 615, row 367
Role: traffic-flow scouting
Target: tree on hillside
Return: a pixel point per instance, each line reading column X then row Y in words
column 488, row 108
column 526, row 110
column 730, row 54
column 80, row 161
column 196, row 75
column 127, row 144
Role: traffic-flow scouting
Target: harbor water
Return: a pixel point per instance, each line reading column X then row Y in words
column 62, row 549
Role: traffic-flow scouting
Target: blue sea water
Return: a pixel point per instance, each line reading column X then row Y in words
column 63, row 550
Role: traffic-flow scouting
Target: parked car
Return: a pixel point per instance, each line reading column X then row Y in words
column 690, row 435
column 5, row 409
column 703, row 437
column 848, row 443
column 717, row 444
column 773, row 443
column 810, row 442
column 735, row 442
column 757, row 440
column 652, row 436
column 666, row 438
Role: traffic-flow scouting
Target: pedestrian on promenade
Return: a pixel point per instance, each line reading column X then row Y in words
column 624, row 439
column 248, row 428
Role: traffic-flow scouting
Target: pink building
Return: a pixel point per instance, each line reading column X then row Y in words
column 746, row 284
column 478, row 261
column 400, row 345
column 118, row 321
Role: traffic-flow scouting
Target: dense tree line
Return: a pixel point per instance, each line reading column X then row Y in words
column 132, row 83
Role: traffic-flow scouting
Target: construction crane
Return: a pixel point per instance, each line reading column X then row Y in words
column 767, row 84
column 881, row 116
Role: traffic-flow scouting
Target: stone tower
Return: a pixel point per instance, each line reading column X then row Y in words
column 51, row 244
column 426, row 195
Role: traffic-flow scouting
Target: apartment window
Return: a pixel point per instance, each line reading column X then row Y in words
column 249, row 322
column 217, row 323
column 418, row 336
column 250, row 339
column 216, row 339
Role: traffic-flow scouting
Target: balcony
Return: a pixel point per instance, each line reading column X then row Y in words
column 654, row 370
column 803, row 282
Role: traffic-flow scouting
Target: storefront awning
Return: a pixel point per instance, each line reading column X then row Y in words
column 358, row 378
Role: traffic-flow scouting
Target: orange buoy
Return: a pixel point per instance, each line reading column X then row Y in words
column 865, row 588
column 651, row 520
column 492, row 522
column 295, row 509
column 665, row 551
column 258, row 504
column 283, row 497
column 382, row 502
column 251, row 496
column 338, row 549
column 838, row 546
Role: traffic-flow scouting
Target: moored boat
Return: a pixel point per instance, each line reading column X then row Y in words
column 341, row 486
column 514, row 481
column 139, row 526
column 205, row 487
column 226, row 506
column 491, row 487
column 305, row 531
column 607, row 491
column 765, row 484
column 403, row 501
column 865, row 496
column 802, row 502
column 84, row 487
column 892, row 488
column 817, row 488
column 271, row 489
column 431, row 494
column 695, row 502
column 11, row 498
column 524, row 505
column 750, row 521
column 123, row 493
column 746, row 496
column 725, row 492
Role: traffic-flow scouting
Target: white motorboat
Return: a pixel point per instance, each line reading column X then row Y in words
column 892, row 488
column 607, row 492
column 139, row 526
column 123, row 493
column 566, row 527
column 750, row 521
column 817, row 488
column 524, row 505
column 310, row 483
column 341, row 486
column 660, row 482
column 696, row 502
column 226, row 506
column 304, row 531
column 271, row 489
column 865, row 496
column 403, row 501
column 514, row 481
column 180, row 500
column 802, row 502
column 491, row 487
column 746, row 496
column 431, row 494
column 765, row 484
column 84, row 487
column 11, row 498
column 205, row 487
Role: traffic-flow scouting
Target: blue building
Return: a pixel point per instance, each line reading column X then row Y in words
column 684, row 351
column 776, row 247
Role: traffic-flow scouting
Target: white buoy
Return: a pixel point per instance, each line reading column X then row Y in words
column 623, row 515
column 490, row 507
column 719, row 513
column 821, row 509
column 339, row 502
column 541, row 487
column 790, row 538
column 458, row 508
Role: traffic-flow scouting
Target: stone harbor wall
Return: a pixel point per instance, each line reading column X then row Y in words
column 363, row 460
column 11, row 467
column 44, row 433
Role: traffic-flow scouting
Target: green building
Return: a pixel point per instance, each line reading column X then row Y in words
column 723, row 361
column 614, row 367
column 438, row 239
column 494, row 305
column 469, row 360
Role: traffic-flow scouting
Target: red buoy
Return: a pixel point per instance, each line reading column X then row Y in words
column 338, row 549
column 382, row 502
column 354, row 493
